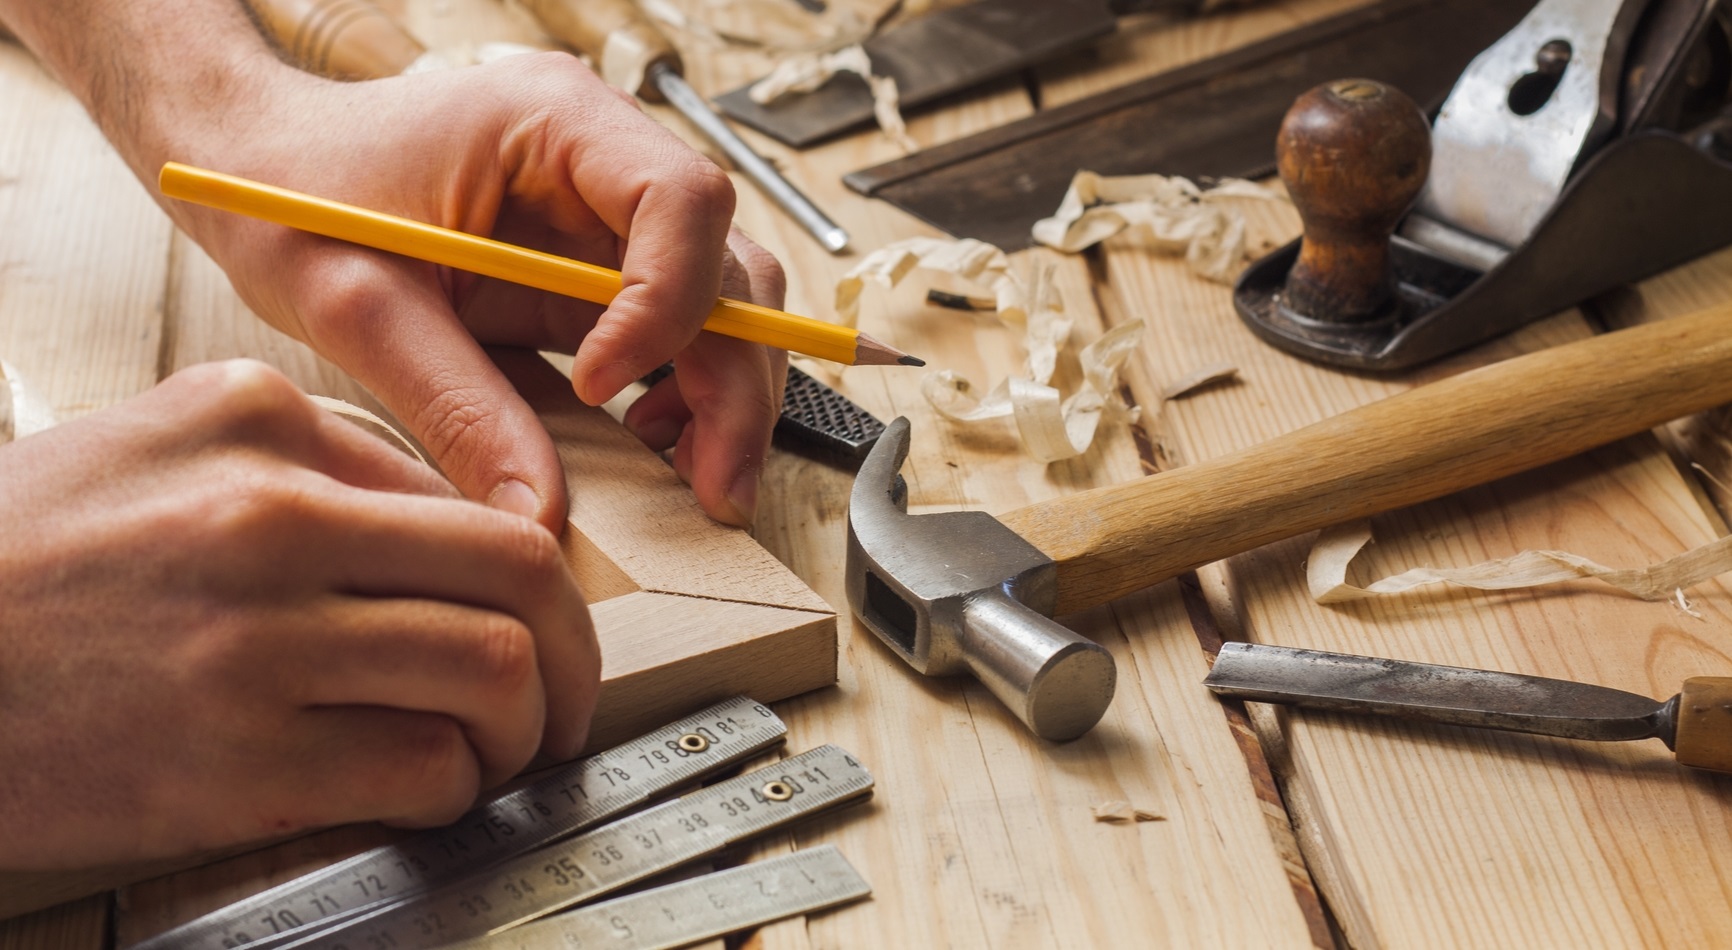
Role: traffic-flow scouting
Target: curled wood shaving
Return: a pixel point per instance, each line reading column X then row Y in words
column 22, row 410
column 1052, row 427
column 804, row 73
column 1197, row 379
column 1335, row 548
column 1117, row 811
column 1168, row 214
column 352, row 411
column 767, row 24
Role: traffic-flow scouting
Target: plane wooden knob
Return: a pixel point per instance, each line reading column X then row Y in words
column 341, row 39
column 1354, row 154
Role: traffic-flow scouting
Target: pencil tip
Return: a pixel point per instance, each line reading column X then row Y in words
column 907, row 360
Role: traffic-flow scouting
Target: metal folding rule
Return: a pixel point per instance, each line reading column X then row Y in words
column 545, row 847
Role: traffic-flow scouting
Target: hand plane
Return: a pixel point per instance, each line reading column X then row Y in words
column 1588, row 148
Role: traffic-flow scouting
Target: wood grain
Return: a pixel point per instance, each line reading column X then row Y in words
column 1411, row 447
column 1424, row 836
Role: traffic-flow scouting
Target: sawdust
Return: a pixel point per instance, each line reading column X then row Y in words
column 1165, row 214
column 358, row 415
column 1335, row 548
column 23, row 411
column 770, row 25
column 1120, row 812
column 1052, row 427
column 1198, row 379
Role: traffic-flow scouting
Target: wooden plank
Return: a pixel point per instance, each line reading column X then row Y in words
column 980, row 835
column 1434, row 835
column 79, row 925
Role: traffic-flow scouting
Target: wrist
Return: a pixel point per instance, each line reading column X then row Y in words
column 183, row 80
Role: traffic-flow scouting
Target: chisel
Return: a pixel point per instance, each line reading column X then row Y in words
column 632, row 53
column 1696, row 724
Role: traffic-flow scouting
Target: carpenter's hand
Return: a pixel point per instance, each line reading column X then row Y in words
column 226, row 614
column 534, row 150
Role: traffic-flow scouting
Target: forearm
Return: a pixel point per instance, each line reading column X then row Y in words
column 165, row 79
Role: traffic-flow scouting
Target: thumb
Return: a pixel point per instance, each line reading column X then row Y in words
column 387, row 324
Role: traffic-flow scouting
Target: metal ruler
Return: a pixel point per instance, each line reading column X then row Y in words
column 575, row 797
column 598, row 862
column 698, row 909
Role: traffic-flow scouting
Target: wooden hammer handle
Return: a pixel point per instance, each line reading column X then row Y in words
column 342, row 39
column 1422, row 444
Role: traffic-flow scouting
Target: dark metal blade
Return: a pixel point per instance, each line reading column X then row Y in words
column 936, row 55
column 816, row 420
column 1431, row 693
column 1215, row 118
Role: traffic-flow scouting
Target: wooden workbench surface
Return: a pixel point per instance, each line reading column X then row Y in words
column 1277, row 830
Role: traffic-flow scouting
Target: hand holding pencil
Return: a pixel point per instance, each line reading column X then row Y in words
column 497, row 259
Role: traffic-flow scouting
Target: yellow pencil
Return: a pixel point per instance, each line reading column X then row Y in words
column 490, row 258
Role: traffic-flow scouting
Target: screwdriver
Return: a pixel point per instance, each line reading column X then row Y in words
column 616, row 32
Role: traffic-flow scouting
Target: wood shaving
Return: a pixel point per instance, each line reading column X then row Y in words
column 1117, row 811
column 1197, row 379
column 805, row 73
column 351, row 411
column 775, row 25
column 1167, row 214
column 22, row 411
column 1052, row 427
column 1335, row 548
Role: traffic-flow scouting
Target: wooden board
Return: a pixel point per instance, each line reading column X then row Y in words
column 979, row 835
column 1435, row 836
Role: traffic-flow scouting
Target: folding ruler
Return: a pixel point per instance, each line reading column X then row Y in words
column 547, row 847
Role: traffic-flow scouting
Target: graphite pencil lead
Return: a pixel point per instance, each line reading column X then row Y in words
column 870, row 352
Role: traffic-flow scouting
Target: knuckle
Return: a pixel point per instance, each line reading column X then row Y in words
column 704, row 183
column 254, row 504
column 338, row 294
column 502, row 654
column 436, row 771
column 245, row 392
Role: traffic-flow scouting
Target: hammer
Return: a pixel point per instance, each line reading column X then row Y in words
column 965, row 592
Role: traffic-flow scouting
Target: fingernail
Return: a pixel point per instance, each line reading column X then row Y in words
column 515, row 497
column 744, row 497
column 659, row 433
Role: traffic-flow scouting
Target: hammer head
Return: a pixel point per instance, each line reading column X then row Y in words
column 958, row 592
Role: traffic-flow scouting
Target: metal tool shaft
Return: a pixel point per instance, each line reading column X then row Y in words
column 1448, row 694
column 686, row 99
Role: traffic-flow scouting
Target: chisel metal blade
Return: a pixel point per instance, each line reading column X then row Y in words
column 1448, row 694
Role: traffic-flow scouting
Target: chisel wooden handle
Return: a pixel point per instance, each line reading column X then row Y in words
column 1422, row 444
column 1704, row 737
column 607, row 30
column 342, row 39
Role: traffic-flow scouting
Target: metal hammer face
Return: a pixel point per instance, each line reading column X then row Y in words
column 959, row 592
